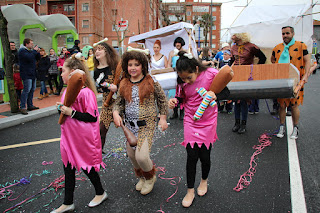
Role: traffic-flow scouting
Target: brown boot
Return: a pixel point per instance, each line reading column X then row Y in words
column 51, row 92
column 46, row 95
column 149, row 182
column 139, row 174
column 40, row 97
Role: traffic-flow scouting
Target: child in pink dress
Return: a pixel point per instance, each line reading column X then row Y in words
column 80, row 142
column 199, row 135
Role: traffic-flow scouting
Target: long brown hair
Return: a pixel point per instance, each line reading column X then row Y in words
column 111, row 56
column 74, row 63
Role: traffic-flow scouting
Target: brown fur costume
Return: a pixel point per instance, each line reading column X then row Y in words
column 146, row 87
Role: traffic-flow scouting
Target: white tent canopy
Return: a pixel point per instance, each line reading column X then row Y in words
column 167, row 35
column 264, row 23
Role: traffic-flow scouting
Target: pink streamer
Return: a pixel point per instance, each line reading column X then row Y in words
column 169, row 145
column 173, row 182
column 246, row 178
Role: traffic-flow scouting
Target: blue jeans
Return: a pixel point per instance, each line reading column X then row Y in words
column 43, row 87
column 29, row 85
column 254, row 106
column 241, row 107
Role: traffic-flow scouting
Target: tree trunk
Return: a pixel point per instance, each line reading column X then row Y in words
column 8, row 59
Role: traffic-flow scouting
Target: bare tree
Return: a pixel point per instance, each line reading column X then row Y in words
column 8, row 59
column 112, row 16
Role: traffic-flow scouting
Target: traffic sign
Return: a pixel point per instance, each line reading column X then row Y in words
column 123, row 25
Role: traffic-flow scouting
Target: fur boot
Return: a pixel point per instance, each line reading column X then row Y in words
column 139, row 174
column 149, row 182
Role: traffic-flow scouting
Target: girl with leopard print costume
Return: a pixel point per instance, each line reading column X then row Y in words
column 137, row 97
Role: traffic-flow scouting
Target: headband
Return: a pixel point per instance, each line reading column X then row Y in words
column 145, row 51
column 103, row 40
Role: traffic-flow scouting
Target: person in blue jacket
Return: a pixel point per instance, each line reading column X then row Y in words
column 28, row 57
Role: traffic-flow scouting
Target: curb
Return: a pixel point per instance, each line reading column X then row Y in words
column 32, row 115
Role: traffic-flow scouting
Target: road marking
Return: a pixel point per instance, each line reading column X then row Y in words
column 298, row 201
column 29, row 143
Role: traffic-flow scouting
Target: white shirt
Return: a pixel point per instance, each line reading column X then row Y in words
column 156, row 65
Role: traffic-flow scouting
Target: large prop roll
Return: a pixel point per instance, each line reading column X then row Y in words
column 264, row 81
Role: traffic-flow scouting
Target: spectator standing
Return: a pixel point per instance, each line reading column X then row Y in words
column 14, row 52
column 53, row 71
column 27, row 61
column 295, row 52
column 18, row 86
column 75, row 48
column 63, row 56
column 90, row 63
column 243, row 53
column 43, row 67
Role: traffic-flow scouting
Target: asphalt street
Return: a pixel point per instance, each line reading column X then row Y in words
column 269, row 191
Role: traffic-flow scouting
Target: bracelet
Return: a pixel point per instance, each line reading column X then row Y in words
column 59, row 107
column 73, row 113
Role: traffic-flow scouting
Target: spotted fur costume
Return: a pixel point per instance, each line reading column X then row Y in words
column 139, row 101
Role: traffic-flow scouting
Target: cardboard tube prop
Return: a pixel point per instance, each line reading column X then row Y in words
column 203, row 106
column 202, row 92
column 116, row 81
column 219, row 82
column 75, row 84
column 132, row 140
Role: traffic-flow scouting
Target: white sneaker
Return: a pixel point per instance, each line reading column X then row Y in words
column 281, row 131
column 295, row 132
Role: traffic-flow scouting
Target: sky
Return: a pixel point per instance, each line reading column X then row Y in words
column 230, row 9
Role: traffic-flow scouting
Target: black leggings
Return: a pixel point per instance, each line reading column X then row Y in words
column 54, row 78
column 70, row 183
column 193, row 154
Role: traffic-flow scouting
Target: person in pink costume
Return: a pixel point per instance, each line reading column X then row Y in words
column 199, row 135
column 80, row 143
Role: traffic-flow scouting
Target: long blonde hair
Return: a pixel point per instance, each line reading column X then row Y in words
column 74, row 63
column 245, row 37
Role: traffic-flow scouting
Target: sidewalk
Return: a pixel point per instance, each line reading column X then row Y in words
column 46, row 105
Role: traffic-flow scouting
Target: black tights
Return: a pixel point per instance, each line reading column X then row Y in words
column 193, row 154
column 70, row 183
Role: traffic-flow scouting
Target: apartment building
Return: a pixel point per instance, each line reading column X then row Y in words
column 97, row 19
column 191, row 11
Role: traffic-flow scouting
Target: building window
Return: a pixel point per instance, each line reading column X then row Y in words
column 214, row 9
column 214, row 18
column 85, row 7
column 68, row 7
column 114, row 43
column 85, row 40
column 214, row 37
column 54, row 7
column 188, row 13
column 214, row 27
column 114, row 27
column 213, row 46
column 189, row 21
column 85, row 23
column 173, row 18
column 114, row 12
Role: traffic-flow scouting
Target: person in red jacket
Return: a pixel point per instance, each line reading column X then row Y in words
column 18, row 86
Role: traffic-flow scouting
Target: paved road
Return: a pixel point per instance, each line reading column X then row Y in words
column 270, row 189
